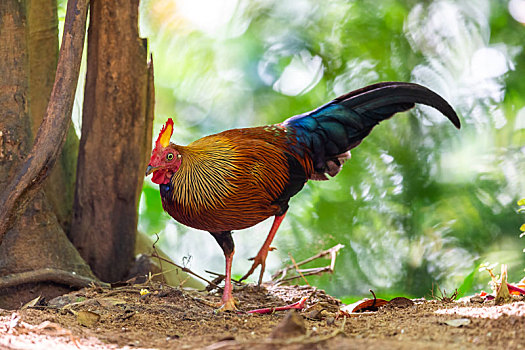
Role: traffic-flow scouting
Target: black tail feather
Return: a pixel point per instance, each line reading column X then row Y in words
column 385, row 97
column 343, row 123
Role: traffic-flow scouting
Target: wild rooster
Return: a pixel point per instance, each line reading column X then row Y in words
column 237, row 178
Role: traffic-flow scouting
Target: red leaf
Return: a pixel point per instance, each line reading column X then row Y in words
column 370, row 305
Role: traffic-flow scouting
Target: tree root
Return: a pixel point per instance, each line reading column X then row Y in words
column 49, row 275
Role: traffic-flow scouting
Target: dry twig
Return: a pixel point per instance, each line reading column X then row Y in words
column 185, row 269
column 154, row 246
column 332, row 252
column 297, row 269
column 220, row 277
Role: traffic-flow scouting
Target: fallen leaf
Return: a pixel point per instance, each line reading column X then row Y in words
column 68, row 301
column 369, row 305
column 365, row 305
column 108, row 302
column 503, row 294
column 516, row 290
column 31, row 303
column 87, row 318
column 458, row 322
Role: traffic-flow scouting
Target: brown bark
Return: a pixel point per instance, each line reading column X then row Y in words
column 33, row 240
column 116, row 128
column 14, row 70
column 43, row 55
column 26, row 182
column 43, row 59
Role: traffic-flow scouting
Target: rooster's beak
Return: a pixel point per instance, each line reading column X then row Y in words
column 150, row 169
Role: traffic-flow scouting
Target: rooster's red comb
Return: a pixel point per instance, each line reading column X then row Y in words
column 165, row 134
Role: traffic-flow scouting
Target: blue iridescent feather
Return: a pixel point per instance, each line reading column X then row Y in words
column 343, row 123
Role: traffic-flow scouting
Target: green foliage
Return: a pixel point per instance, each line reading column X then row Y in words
column 419, row 202
column 152, row 218
column 467, row 284
column 521, row 203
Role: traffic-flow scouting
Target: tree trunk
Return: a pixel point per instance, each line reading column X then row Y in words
column 43, row 59
column 116, row 131
column 35, row 241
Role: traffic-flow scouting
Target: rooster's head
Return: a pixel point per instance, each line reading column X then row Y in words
column 165, row 159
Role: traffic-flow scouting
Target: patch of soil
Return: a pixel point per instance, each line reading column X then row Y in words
column 162, row 317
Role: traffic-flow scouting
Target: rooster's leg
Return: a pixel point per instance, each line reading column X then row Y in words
column 225, row 240
column 260, row 258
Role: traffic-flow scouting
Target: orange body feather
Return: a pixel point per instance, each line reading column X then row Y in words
column 232, row 180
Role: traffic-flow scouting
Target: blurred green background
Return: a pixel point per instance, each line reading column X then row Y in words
column 420, row 202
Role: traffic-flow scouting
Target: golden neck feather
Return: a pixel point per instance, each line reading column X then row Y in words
column 202, row 180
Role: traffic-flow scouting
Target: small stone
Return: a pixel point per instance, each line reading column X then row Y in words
column 477, row 299
column 291, row 326
column 87, row 318
column 61, row 301
column 459, row 322
column 400, row 302
column 314, row 314
column 227, row 337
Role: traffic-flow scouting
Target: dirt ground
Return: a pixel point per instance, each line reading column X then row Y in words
column 163, row 317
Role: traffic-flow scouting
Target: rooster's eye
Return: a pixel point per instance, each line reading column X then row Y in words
column 169, row 156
